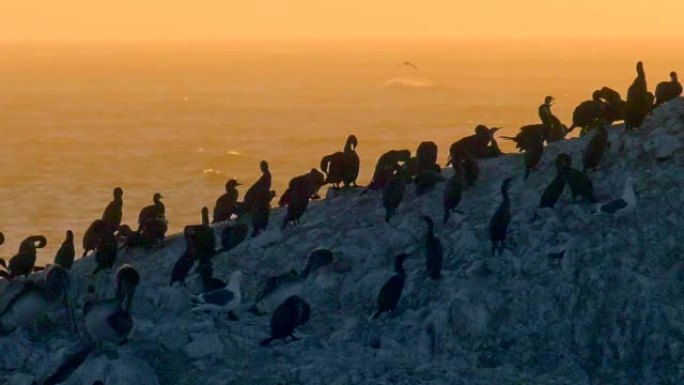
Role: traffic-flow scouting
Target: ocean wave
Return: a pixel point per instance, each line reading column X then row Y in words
column 409, row 82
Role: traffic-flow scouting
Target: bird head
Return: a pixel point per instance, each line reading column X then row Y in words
column 2, row 238
column 70, row 236
column 232, row 184
column 157, row 197
column 673, row 76
column 597, row 95
column 118, row 192
column 640, row 68
column 352, row 142
column 263, row 166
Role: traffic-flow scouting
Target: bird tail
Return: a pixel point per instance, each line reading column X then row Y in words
column 72, row 363
column 266, row 341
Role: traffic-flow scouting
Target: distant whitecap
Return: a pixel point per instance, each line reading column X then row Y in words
column 406, row 82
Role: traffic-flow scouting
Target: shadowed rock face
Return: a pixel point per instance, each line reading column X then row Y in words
column 608, row 311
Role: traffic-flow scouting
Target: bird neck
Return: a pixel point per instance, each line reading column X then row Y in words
column 234, row 284
column 628, row 195
column 399, row 268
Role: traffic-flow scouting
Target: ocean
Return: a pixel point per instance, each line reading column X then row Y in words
column 78, row 119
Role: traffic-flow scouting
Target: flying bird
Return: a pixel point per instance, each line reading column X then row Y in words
column 409, row 64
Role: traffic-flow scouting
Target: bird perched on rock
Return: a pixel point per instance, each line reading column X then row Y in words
column 434, row 252
column 226, row 204
column 36, row 299
column 92, row 235
column 453, row 191
column 386, row 166
column 639, row 100
column 156, row 210
column 110, row 320
column 224, row 299
column 498, row 224
column 301, row 189
column 666, row 91
column 184, row 264
column 589, row 111
column 233, row 235
column 393, row 193
column 342, row 166
column 24, row 261
column 114, row 211
column 427, row 180
column 595, row 148
column 579, row 182
column 622, row 206
column 106, row 251
column 426, row 156
column 293, row 312
column 533, row 153
column 67, row 252
column 390, row 293
column 553, row 191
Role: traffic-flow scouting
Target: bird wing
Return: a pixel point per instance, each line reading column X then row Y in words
column 120, row 321
column 217, row 297
column 613, row 206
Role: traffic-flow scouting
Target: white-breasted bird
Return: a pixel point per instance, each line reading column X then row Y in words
column 622, row 206
column 224, row 299
column 110, row 320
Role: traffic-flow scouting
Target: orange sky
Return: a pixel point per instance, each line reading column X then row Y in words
column 269, row 19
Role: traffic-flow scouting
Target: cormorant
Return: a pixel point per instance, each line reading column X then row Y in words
column 114, row 211
column 66, row 253
column 25, row 260
column 481, row 145
column 261, row 212
column 615, row 106
column 554, row 190
column 426, row 155
column 260, row 191
column 293, row 312
column 393, row 193
column 453, row 190
column 301, row 189
column 533, row 153
column 579, row 182
column 184, row 264
column 666, row 91
column 226, row 203
column 553, row 129
column 434, row 253
column 639, row 100
column 233, row 235
column 498, row 224
column 587, row 112
column 203, row 238
column 92, row 235
column 110, row 320
column 343, row 166
column 155, row 211
column 153, row 232
column 105, row 254
column 427, row 180
column 387, row 164
column 390, row 293
column 316, row 259
column 595, row 148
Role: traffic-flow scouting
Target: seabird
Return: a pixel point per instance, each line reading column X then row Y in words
column 260, row 191
column 410, row 65
column 595, row 148
column 66, row 253
column 233, row 235
column 498, row 224
column 427, row 180
column 37, row 299
column 24, row 262
column 156, row 210
column 639, row 100
column 184, row 264
column 587, row 112
column 301, row 189
column 106, row 251
column 224, row 300
column 666, row 91
column 92, row 235
column 293, row 312
column 533, row 154
column 342, row 166
column 579, row 182
column 393, row 193
column 110, row 320
column 390, row 293
column 260, row 215
column 453, row 191
column 226, row 204
column 622, row 206
column 114, row 211
column 434, row 252
column 387, row 164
